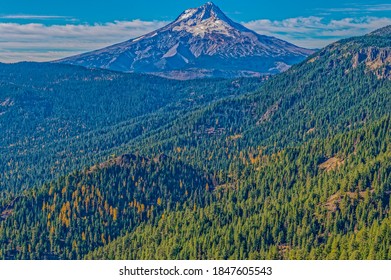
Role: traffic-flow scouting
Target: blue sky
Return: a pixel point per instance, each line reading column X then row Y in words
column 42, row 30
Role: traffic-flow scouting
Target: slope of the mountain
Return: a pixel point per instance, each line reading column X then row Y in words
column 67, row 218
column 340, row 88
column 285, row 206
column 56, row 118
column 297, row 168
column 201, row 42
column 385, row 31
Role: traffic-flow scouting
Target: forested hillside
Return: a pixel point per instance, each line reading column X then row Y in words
column 293, row 167
column 336, row 90
column 57, row 118
column 67, row 218
column 330, row 200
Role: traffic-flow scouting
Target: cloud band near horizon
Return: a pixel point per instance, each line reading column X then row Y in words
column 40, row 42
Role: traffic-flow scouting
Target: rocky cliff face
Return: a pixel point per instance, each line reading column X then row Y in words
column 376, row 60
column 371, row 53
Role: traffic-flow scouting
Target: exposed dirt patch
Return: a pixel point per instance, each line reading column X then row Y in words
column 334, row 200
column 269, row 113
column 5, row 214
column 8, row 210
column 123, row 161
column 312, row 60
column 226, row 186
column 331, row 164
column 309, row 131
column 235, row 137
column 283, row 250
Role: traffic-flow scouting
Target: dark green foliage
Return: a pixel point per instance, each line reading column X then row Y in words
column 298, row 169
column 325, row 95
column 285, row 206
column 70, row 217
column 58, row 118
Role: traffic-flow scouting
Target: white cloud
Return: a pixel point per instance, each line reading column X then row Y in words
column 317, row 32
column 15, row 56
column 39, row 42
column 378, row 8
column 361, row 8
column 36, row 17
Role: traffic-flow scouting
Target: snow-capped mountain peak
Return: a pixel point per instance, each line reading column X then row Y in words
column 201, row 41
column 186, row 14
column 200, row 27
column 207, row 11
column 205, row 19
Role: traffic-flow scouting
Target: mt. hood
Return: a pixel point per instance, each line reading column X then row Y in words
column 201, row 42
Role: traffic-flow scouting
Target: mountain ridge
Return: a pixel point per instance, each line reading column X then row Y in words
column 385, row 31
column 201, row 42
column 298, row 168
